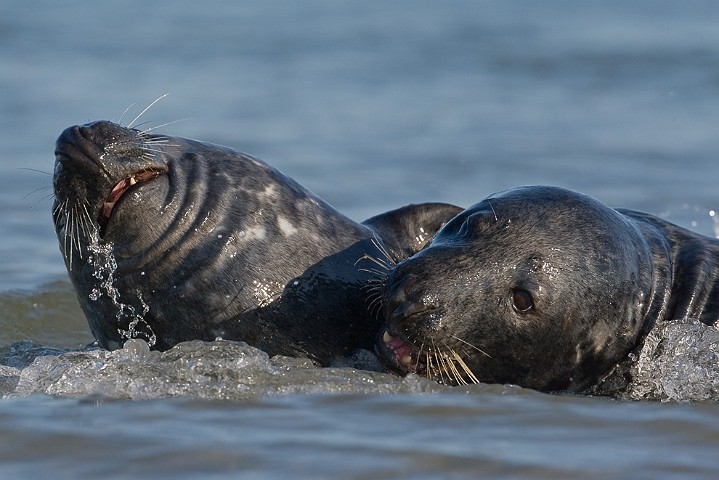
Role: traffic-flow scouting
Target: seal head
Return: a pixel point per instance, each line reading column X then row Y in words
column 537, row 286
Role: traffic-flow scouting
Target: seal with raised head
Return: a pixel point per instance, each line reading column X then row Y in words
column 169, row 239
column 542, row 287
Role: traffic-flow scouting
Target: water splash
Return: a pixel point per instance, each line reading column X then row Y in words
column 214, row 370
column 102, row 259
column 679, row 361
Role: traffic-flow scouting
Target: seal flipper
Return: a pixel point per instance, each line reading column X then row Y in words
column 406, row 230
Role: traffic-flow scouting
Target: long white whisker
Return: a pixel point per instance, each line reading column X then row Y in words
column 119, row 120
column 471, row 346
column 379, row 262
column 61, row 207
column 145, row 110
column 373, row 271
column 148, row 130
column 68, row 235
column 495, row 213
column 382, row 249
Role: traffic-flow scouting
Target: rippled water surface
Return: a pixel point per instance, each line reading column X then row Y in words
column 372, row 105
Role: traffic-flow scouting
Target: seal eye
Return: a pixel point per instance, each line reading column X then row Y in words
column 522, row 300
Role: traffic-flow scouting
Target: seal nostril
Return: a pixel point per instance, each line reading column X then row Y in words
column 407, row 299
column 397, row 294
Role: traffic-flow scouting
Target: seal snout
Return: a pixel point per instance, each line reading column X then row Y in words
column 98, row 163
column 407, row 309
column 406, row 299
column 89, row 140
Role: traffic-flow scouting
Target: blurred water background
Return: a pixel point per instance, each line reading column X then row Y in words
column 371, row 105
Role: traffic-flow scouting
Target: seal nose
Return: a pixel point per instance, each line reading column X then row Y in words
column 91, row 139
column 405, row 299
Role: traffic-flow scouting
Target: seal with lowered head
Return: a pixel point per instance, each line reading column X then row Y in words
column 169, row 239
column 542, row 287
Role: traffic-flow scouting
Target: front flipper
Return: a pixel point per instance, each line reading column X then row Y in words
column 406, row 230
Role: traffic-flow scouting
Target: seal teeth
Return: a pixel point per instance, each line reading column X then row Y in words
column 387, row 338
column 132, row 180
column 406, row 360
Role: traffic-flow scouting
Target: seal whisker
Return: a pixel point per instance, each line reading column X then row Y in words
column 82, row 222
column 90, row 226
column 41, row 199
column 61, row 223
column 373, row 271
column 148, row 130
column 493, row 211
column 150, row 151
column 77, row 218
column 58, row 212
column 383, row 250
column 464, row 366
column 429, row 366
column 377, row 261
column 471, row 346
column 35, row 170
column 455, row 371
column 440, row 368
column 68, row 234
column 445, row 366
column 119, row 120
column 149, row 145
column 375, row 305
column 442, row 358
column 129, row 125
column 374, row 286
column 37, row 190
column 420, row 352
column 374, row 290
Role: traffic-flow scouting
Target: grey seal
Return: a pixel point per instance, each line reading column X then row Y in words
column 169, row 239
column 542, row 287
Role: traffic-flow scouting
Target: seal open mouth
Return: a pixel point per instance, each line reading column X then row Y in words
column 399, row 354
column 442, row 363
column 119, row 190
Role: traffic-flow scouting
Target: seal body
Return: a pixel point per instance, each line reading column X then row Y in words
column 169, row 239
column 542, row 287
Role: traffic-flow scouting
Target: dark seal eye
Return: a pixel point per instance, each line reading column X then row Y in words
column 522, row 300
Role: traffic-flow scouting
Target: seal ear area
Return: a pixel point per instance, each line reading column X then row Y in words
column 473, row 223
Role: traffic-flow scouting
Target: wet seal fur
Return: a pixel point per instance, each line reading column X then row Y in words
column 169, row 239
column 545, row 288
